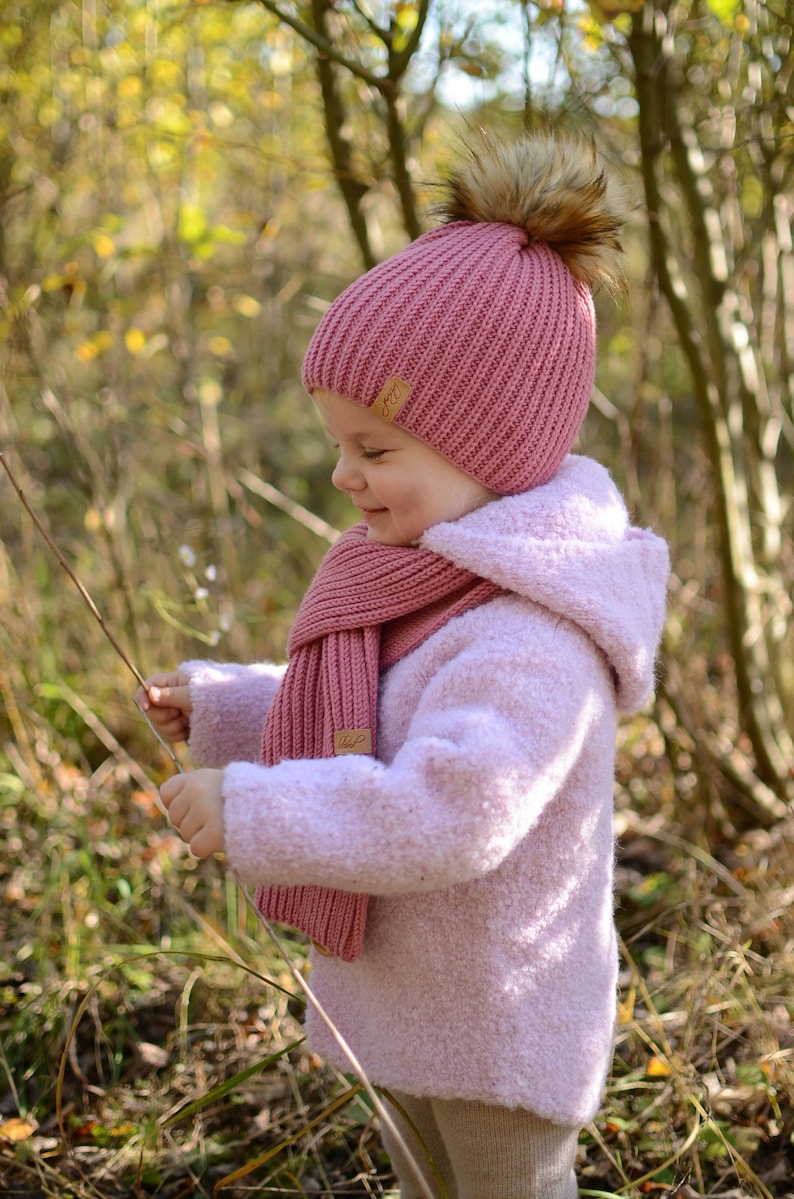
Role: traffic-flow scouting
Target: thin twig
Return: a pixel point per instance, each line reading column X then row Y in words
column 94, row 610
column 104, row 735
column 324, row 46
column 277, row 498
column 296, row 974
column 700, row 855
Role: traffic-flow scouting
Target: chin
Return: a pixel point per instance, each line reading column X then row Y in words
column 385, row 539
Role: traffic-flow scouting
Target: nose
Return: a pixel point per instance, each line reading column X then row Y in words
column 346, row 475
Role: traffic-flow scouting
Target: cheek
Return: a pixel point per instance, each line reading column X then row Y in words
column 408, row 500
column 389, row 485
column 438, row 495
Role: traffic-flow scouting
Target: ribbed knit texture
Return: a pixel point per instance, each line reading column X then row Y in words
column 368, row 606
column 492, row 333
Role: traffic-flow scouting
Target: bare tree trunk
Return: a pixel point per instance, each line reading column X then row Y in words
column 740, row 435
column 352, row 188
column 331, row 61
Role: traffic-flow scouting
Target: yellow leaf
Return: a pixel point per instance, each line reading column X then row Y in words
column 104, row 246
column 86, row 352
column 16, row 1129
column 134, row 340
column 247, row 306
column 126, row 1129
column 192, row 225
column 626, row 1007
column 591, row 29
column 219, row 346
column 129, row 86
column 658, row 1067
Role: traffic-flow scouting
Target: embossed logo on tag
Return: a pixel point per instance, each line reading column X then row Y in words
column 353, row 741
column 393, row 395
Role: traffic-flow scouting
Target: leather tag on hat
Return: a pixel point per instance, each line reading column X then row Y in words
column 391, row 398
column 352, row 741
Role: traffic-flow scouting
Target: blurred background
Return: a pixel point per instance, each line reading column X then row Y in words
column 184, row 188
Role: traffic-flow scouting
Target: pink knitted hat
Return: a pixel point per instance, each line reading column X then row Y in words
column 479, row 337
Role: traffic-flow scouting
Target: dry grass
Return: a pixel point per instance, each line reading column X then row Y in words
column 151, row 1039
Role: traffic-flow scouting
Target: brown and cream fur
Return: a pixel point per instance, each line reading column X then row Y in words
column 556, row 186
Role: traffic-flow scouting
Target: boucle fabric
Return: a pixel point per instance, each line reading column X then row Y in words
column 483, row 831
column 368, row 606
column 478, row 340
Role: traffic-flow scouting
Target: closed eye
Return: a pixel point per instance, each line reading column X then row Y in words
column 367, row 455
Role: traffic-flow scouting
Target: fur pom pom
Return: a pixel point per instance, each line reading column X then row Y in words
column 553, row 184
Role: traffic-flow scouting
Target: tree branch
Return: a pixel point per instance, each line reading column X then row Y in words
column 400, row 60
column 325, row 46
column 353, row 189
column 398, row 151
column 758, row 695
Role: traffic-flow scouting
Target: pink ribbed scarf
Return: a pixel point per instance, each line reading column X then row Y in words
column 367, row 606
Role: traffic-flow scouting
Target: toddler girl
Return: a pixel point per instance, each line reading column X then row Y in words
column 431, row 799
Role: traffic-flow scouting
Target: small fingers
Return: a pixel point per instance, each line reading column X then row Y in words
column 182, row 817
column 204, row 844
column 194, row 805
column 167, row 678
column 171, row 697
column 171, row 724
column 169, row 689
column 142, row 695
column 170, row 789
column 189, row 822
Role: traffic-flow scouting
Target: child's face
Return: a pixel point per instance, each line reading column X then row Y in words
column 399, row 484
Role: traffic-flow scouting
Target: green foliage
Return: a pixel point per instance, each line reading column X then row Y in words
column 726, row 10
column 170, row 231
column 148, row 213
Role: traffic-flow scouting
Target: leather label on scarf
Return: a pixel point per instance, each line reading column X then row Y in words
column 393, row 395
column 353, row 741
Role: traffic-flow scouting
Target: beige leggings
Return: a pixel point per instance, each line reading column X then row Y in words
column 481, row 1151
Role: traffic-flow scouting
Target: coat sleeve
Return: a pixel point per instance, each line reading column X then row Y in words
column 230, row 703
column 498, row 728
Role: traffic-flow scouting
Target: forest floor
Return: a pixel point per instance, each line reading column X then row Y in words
column 151, row 1040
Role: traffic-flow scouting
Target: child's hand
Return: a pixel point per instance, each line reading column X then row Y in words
column 195, row 807
column 166, row 701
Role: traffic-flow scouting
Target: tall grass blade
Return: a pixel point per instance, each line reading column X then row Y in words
column 228, row 1085
column 340, row 1102
column 311, row 997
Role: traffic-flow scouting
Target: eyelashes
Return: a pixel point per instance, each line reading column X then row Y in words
column 367, row 455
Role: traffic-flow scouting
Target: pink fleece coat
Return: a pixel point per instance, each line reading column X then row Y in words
column 484, row 829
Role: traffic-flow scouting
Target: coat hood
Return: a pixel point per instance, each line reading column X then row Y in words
column 569, row 546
